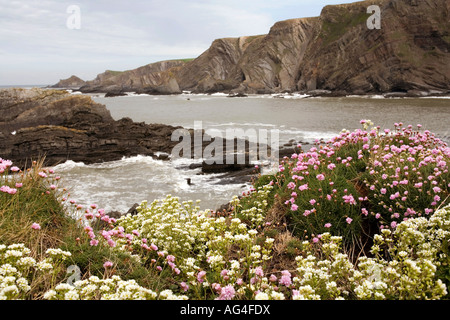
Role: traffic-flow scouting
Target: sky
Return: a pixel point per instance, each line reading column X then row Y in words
column 43, row 41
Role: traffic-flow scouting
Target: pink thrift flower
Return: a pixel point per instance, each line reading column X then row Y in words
column 19, row 185
column 285, row 278
column 327, row 225
column 312, row 202
column 227, row 293
column 201, row 276
column 107, row 264
column 320, row 177
column 184, row 286
column 36, row 226
column 93, row 242
column 259, row 272
column 349, row 220
column 294, row 207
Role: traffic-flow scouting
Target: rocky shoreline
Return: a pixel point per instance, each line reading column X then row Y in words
column 54, row 124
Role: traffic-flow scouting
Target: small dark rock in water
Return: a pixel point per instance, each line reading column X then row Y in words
column 114, row 94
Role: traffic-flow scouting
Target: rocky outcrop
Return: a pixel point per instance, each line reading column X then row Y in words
column 60, row 126
column 152, row 78
column 335, row 53
column 70, row 83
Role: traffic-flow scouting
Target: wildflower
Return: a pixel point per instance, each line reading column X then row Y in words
column 42, row 174
column 285, row 278
column 184, row 286
column 320, row 177
column 201, row 276
column 259, row 272
column 349, row 220
column 327, row 225
column 35, row 226
column 107, row 264
column 294, row 207
column 227, row 293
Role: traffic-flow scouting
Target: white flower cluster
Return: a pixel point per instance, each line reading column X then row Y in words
column 113, row 288
column 256, row 214
column 414, row 250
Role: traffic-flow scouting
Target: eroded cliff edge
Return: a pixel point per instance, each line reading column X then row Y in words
column 334, row 52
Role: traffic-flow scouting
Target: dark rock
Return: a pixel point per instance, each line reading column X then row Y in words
column 133, row 210
column 114, row 94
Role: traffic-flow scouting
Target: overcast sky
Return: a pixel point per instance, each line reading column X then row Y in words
column 38, row 47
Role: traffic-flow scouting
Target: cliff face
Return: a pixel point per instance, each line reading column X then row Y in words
column 335, row 51
column 155, row 77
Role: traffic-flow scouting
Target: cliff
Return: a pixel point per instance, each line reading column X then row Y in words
column 335, row 52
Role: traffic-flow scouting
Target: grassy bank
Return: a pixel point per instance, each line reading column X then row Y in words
column 364, row 216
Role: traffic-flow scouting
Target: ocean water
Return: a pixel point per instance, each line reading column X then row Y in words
column 119, row 184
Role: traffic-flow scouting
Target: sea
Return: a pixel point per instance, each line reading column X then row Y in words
column 295, row 118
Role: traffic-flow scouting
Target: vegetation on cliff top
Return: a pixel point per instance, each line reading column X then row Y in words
column 364, row 216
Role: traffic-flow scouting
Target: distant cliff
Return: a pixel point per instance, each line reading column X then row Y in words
column 335, row 52
column 71, row 83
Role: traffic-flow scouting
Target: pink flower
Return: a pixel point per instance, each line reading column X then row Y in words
column 291, row 185
column 383, row 190
column 349, row 220
column 312, row 202
column 227, row 293
column 327, row 225
column 259, row 272
column 107, row 264
column 7, row 189
column 93, row 242
column 184, row 286
column 320, row 177
column 285, row 278
column 36, row 226
column 294, row 207
column 331, row 166
column 201, row 276
column 303, row 187
column 42, row 175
